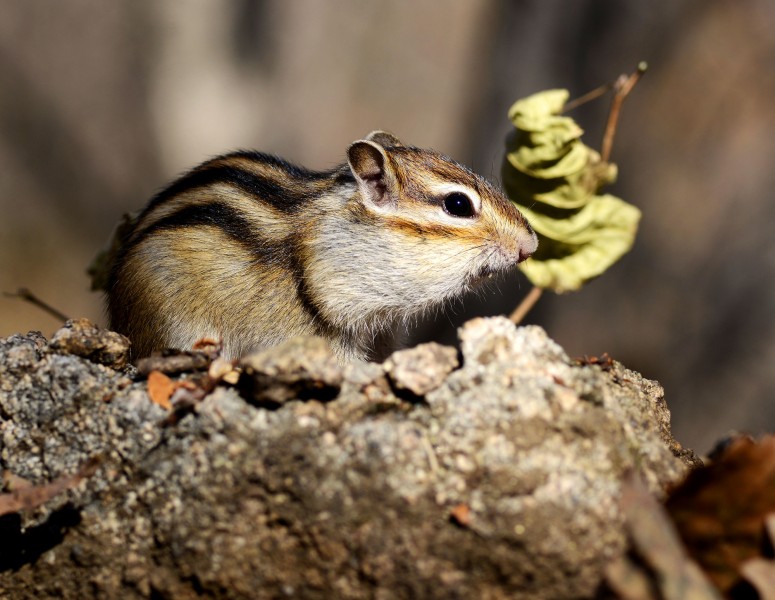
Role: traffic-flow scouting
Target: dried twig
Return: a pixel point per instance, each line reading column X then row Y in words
column 28, row 296
column 173, row 364
column 29, row 497
column 622, row 89
column 588, row 97
column 527, row 303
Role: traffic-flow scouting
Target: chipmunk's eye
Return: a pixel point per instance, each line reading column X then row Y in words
column 459, row 205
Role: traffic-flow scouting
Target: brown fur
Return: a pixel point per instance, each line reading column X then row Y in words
column 253, row 250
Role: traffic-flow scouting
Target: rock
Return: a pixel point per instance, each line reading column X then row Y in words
column 299, row 368
column 504, row 482
column 83, row 338
column 58, row 411
column 421, row 369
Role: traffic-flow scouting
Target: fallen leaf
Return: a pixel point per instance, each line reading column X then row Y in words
column 13, row 482
column 461, row 515
column 28, row 497
column 604, row 361
column 160, row 388
column 208, row 346
column 655, row 541
column 186, row 396
column 722, row 510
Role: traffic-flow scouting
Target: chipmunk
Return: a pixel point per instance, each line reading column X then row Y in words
column 252, row 250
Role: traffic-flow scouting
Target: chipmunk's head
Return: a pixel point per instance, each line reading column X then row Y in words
column 419, row 230
column 435, row 202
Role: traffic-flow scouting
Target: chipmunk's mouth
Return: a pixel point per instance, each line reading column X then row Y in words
column 484, row 272
column 502, row 260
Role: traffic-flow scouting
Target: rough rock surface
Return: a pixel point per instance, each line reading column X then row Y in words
column 300, row 368
column 421, row 369
column 83, row 338
column 500, row 479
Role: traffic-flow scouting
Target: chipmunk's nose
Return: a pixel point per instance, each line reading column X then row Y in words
column 528, row 246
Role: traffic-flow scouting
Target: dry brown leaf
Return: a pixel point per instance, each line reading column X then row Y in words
column 208, row 346
column 721, row 510
column 461, row 515
column 186, row 395
column 160, row 388
column 604, row 361
column 656, row 542
column 186, row 384
column 28, row 497
column 12, row 483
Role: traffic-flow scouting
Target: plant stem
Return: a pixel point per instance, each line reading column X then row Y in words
column 28, row 296
column 588, row 97
column 526, row 304
column 622, row 89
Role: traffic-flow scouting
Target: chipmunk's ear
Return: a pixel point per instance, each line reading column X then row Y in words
column 374, row 173
column 384, row 139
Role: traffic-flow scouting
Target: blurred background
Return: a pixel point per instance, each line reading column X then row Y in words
column 102, row 103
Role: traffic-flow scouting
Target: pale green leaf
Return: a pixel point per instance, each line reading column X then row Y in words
column 534, row 112
column 580, row 247
column 555, row 179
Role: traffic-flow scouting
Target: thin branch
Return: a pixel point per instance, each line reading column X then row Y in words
column 622, row 89
column 588, row 97
column 28, row 296
column 526, row 304
column 28, row 497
